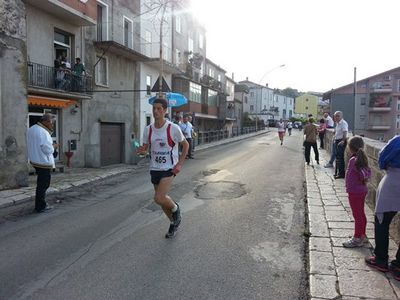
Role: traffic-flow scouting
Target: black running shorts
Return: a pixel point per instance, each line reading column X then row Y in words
column 156, row 176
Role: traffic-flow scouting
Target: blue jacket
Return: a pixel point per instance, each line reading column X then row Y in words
column 389, row 156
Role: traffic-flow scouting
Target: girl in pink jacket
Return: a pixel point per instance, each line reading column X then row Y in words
column 357, row 175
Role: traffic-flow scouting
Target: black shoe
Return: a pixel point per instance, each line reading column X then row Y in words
column 46, row 209
column 176, row 217
column 338, row 177
column 317, row 162
column 171, row 231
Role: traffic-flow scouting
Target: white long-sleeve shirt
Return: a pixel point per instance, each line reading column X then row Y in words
column 40, row 147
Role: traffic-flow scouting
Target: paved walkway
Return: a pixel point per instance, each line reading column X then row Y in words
column 74, row 177
column 336, row 272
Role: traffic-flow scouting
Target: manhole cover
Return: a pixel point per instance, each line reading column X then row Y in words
column 220, row 190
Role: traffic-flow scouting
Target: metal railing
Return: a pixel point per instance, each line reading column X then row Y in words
column 204, row 137
column 58, row 78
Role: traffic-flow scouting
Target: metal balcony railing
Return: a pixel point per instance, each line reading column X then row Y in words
column 41, row 76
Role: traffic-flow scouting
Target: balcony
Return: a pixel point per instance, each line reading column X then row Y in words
column 48, row 80
column 382, row 87
column 379, row 127
column 380, row 103
column 71, row 11
column 211, row 82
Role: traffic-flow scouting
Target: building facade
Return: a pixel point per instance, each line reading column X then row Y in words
column 374, row 109
column 306, row 104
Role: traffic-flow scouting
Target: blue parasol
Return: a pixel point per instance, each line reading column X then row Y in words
column 174, row 99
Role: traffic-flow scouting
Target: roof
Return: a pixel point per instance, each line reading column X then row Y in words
column 214, row 64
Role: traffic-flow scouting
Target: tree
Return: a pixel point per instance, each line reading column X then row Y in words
column 290, row 92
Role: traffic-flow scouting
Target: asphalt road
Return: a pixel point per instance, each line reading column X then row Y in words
column 241, row 236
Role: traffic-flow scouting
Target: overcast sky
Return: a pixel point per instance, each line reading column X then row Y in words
column 319, row 41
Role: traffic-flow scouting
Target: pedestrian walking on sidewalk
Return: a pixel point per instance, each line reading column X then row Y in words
column 281, row 130
column 289, row 127
column 40, row 155
column 321, row 132
column 357, row 175
column 387, row 206
column 341, row 131
column 187, row 128
column 162, row 139
column 311, row 133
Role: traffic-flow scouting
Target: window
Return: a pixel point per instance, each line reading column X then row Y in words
column 398, row 122
column 398, row 104
column 398, row 85
column 219, row 77
column 195, row 92
column 251, row 107
column 165, row 51
column 211, row 72
column 128, row 32
column 178, row 24
column 363, row 100
column 252, row 94
column 201, row 41
column 265, row 107
column 306, row 99
column 102, row 21
column 101, row 71
column 306, row 107
column 62, row 46
column 212, row 98
column 245, row 99
column 148, row 120
column 148, row 85
column 190, row 45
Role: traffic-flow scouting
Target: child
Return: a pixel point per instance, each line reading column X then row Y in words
column 321, row 132
column 357, row 174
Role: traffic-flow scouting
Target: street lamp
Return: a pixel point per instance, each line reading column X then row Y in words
column 259, row 83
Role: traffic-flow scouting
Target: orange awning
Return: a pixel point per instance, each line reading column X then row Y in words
column 51, row 102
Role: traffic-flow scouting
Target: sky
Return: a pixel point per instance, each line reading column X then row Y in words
column 320, row 42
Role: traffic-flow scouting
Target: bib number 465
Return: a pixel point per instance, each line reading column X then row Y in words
column 160, row 159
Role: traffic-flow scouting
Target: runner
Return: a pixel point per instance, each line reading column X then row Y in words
column 162, row 139
column 289, row 127
column 281, row 130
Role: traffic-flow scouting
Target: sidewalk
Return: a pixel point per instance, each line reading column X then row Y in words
column 336, row 272
column 75, row 177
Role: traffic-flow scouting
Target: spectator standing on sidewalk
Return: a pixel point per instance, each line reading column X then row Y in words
column 40, row 154
column 328, row 121
column 186, row 128
column 281, row 130
column 387, row 206
column 341, row 131
column 311, row 133
column 321, row 132
column 162, row 139
column 357, row 175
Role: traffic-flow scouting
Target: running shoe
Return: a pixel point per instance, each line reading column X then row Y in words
column 171, row 231
column 328, row 165
column 373, row 263
column 354, row 242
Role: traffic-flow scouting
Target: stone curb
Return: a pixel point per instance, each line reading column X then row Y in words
column 336, row 272
column 15, row 197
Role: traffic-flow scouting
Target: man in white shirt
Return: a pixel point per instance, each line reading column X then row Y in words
column 40, row 154
column 341, row 131
column 186, row 128
column 162, row 138
column 328, row 120
column 281, row 130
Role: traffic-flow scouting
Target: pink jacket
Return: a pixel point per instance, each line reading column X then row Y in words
column 356, row 181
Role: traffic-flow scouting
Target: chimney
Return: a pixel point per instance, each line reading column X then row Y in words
column 233, row 76
column 247, row 78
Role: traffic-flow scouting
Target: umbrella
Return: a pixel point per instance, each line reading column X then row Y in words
column 174, row 99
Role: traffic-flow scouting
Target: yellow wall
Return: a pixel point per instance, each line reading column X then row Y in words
column 306, row 104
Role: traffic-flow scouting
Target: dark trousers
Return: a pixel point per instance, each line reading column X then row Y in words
column 382, row 238
column 321, row 139
column 190, row 151
column 307, row 150
column 42, row 184
column 339, row 169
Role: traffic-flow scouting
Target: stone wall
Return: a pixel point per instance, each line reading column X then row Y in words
column 13, row 105
column 372, row 148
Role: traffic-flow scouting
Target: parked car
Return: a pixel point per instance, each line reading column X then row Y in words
column 298, row 125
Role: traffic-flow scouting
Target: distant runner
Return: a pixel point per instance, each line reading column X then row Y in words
column 281, row 130
column 162, row 138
